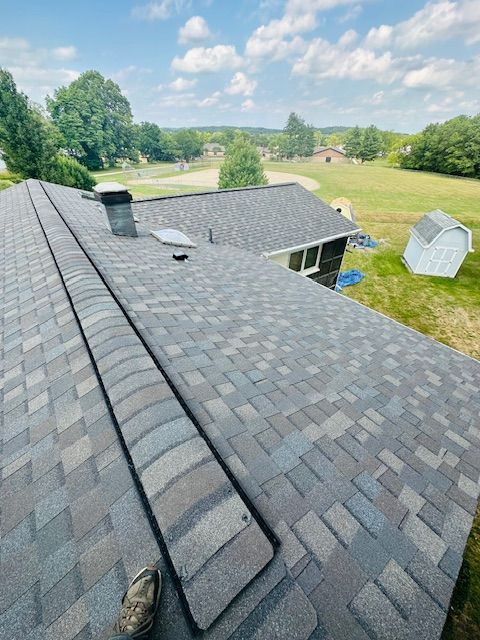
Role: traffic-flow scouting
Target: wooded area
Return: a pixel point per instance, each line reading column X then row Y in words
column 89, row 124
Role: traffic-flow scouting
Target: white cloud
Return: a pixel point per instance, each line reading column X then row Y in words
column 211, row 101
column 279, row 38
column 379, row 37
column 248, row 105
column 182, row 84
column 348, row 38
column 158, row 10
column 177, row 101
column 324, row 60
column 441, row 73
column 65, row 53
column 35, row 71
column 352, row 14
column 207, row 60
column 241, row 84
column 194, row 30
column 436, row 22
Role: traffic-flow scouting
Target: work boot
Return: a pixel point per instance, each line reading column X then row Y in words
column 140, row 604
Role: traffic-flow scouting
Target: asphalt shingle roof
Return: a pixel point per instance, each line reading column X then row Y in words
column 432, row 225
column 354, row 438
column 258, row 219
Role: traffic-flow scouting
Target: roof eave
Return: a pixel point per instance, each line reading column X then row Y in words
column 307, row 245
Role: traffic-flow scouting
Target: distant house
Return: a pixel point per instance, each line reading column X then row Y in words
column 284, row 223
column 213, row 149
column 3, row 166
column 330, row 154
column 438, row 245
column 264, row 152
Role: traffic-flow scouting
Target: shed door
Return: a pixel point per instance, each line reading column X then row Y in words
column 441, row 260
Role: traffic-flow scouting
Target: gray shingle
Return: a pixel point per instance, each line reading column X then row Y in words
column 365, row 405
column 259, row 219
column 432, row 225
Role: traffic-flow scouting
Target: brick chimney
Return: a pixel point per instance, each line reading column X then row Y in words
column 116, row 200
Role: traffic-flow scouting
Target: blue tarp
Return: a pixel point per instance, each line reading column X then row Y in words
column 347, row 278
column 363, row 241
column 367, row 243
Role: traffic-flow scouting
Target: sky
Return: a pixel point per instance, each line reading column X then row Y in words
column 399, row 65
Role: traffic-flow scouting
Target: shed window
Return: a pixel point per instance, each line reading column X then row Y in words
column 296, row 260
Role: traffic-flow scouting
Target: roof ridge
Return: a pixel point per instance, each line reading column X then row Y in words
column 204, row 193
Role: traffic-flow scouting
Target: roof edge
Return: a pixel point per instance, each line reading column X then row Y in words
column 278, row 252
column 454, row 226
column 204, row 193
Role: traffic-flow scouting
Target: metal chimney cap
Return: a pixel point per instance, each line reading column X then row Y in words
column 110, row 187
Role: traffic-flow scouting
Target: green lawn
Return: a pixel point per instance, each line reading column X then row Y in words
column 151, row 171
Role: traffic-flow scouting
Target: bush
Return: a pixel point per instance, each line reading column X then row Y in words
column 67, row 171
column 10, row 177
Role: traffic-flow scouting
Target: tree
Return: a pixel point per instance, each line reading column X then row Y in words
column 278, row 146
column 354, row 142
column 242, row 166
column 334, row 140
column 301, row 137
column 188, row 144
column 95, row 120
column 371, row 144
column 153, row 143
column 69, row 172
column 28, row 141
column 452, row 147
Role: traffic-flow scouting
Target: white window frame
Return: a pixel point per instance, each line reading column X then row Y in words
column 315, row 268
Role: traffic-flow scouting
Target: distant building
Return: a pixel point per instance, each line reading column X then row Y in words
column 438, row 245
column 213, row 149
column 264, row 152
column 330, row 154
column 3, row 166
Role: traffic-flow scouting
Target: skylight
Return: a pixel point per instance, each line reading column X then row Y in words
column 173, row 237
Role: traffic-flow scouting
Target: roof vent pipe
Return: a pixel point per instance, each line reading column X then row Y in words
column 116, row 200
column 210, row 235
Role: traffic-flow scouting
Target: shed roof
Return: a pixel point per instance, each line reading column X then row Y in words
column 352, row 437
column 433, row 224
column 259, row 219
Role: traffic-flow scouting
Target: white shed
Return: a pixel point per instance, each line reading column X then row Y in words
column 438, row 245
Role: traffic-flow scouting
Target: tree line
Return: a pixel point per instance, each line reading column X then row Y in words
column 451, row 147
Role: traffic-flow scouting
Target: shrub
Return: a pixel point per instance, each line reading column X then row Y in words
column 10, row 177
column 67, row 171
